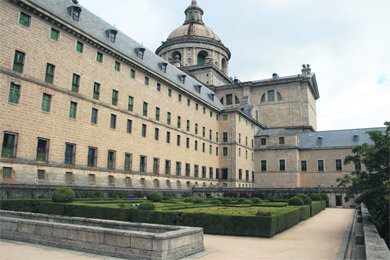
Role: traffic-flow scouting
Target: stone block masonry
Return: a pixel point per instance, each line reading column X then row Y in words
column 111, row 238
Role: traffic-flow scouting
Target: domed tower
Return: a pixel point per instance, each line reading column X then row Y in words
column 197, row 49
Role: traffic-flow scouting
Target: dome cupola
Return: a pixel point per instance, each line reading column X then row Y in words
column 193, row 13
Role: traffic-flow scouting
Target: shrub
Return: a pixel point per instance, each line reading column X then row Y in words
column 216, row 201
column 246, row 201
column 198, row 200
column 316, row 208
column 188, row 199
column 296, row 201
column 154, row 196
column 227, row 200
column 306, row 199
column 63, row 194
column 315, row 197
column 241, row 200
column 92, row 194
column 186, row 194
column 326, row 198
column 147, row 205
column 255, row 200
column 263, row 214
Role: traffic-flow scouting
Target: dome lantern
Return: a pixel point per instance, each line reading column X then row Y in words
column 194, row 13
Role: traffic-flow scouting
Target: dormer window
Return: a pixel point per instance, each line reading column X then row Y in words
column 140, row 53
column 74, row 12
column 182, row 78
column 164, row 67
column 112, row 35
column 211, row 96
column 319, row 140
column 198, row 88
column 355, row 138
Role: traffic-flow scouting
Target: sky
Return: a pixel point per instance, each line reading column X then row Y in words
column 346, row 43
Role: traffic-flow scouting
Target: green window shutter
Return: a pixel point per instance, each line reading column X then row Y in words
column 130, row 104
column 46, row 102
column 54, row 34
column 14, row 93
column 75, row 83
column 24, row 19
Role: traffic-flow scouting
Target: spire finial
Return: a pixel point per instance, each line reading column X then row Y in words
column 194, row 2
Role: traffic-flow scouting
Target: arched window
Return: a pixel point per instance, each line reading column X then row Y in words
column 202, row 57
column 263, row 98
column 176, row 55
column 279, row 97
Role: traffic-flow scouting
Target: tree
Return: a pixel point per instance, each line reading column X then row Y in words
column 372, row 184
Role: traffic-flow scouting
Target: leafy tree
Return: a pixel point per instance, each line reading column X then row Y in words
column 372, row 184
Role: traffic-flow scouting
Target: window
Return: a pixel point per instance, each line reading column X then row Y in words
column 132, row 73
column 281, row 140
column 168, row 118
column 14, row 93
column 79, row 47
column 320, row 165
column 179, row 97
column 263, row 98
column 10, row 141
column 210, row 149
column 257, row 115
column 204, row 110
column 196, row 128
column 196, row 145
column 263, row 165
column 46, row 100
column 168, row 139
column 70, row 153
column 178, row 168
column 113, row 121
column 188, row 125
column 167, row 167
column 279, row 97
column 282, row 165
column 358, row 166
column 246, row 154
column 204, row 132
column 117, row 66
column 140, row 53
column 216, row 151
column 128, row 162
column 18, row 61
column 169, row 92
column 158, row 87
column 146, row 81
column 239, row 152
column 178, row 122
column 211, row 135
column 303, row 166
column 229, row 99
column 156, row 166
column 216, row 137
column 271, row 95
column 75, row 82
column 203, row 147
column 91, row 179
column 111, row 180
column 128, row 181
column 25, row 19
column 196, row 106
column 94, row 116
column 129, row 126
column 225, row 136
column 111, row 159
column 69, row 177
column 99, row 57
column 225, row 117
column 211, row 173
column 130, row 105
column 188, row 169
column 188, row 142
column 49, row 77
column 96, row 91
column 188, row 102
column 156, row 133
column 246, row 140
column 247, row 175
column 114, row 97
column 236, row 100
column 75, row 13
column 196, row 171
column 145, row 109
column 178, row 140
column 225, row 151
column 211, row 113
column 41, row 175
column 143, row 133
column 92, row 156
column 203, row 171
column 157, row 114
column 339, row 165
column 263, row 141
column 42, row 150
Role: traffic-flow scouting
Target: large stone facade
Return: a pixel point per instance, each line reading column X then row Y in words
column 83, row 104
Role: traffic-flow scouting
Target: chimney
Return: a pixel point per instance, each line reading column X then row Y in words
column 304, row 70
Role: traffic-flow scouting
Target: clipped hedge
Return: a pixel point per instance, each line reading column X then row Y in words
column 305, row 212
column 316, row 207
column 257, row 226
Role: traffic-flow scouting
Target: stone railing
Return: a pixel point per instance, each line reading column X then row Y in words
column 106, row 237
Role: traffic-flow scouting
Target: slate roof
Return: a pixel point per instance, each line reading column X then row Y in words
column 336, row 138
column 96, row 28
column 274, row 131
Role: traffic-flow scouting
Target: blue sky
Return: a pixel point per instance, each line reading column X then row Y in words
column 345, row 42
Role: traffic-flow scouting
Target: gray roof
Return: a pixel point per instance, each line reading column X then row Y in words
column 274, row 131
column 96, row 28
column 336, row 138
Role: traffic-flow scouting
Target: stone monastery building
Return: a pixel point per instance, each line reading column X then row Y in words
column 84, row 105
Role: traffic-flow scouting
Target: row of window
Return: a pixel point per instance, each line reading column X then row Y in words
column 263, row 141
column 9, row 148
column 247, row 175
column 8, row 174
column 320, row 165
